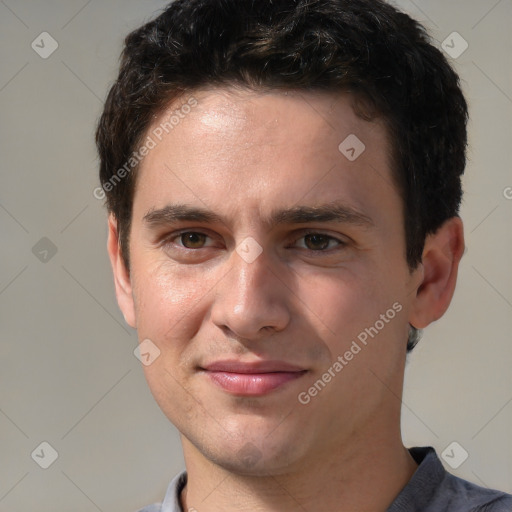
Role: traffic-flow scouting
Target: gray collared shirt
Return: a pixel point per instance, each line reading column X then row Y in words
column 431, row 489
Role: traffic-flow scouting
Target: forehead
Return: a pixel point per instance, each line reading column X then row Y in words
column 251, row 114
column 271, row 146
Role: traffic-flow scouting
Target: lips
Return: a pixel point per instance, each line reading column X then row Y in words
column 253, row 378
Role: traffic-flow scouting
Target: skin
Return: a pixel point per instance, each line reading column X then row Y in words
column 244, row 155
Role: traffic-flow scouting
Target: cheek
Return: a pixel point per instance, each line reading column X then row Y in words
column 172, row 391
column 169, row 301
column 356, row 307
column 342, row 302
column 170, row 307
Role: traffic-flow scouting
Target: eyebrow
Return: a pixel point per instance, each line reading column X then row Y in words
column 331, row 212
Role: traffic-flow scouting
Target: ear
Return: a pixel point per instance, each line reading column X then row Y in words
column 441, row 256
column 121, row 275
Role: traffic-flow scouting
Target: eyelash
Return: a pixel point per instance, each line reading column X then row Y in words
column 340, row 243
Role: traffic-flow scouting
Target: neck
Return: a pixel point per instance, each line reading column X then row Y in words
column 364, row 475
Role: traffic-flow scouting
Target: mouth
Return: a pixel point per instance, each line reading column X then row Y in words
column 252, row 379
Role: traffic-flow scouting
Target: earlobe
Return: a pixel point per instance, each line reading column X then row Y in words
column 122, row 279
column 441, row 256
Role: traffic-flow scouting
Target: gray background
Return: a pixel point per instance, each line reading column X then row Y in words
column 68, row 375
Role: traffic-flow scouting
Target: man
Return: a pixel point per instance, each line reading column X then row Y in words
column 283, row 182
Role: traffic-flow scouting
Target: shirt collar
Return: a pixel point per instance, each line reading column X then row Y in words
column 172, row 501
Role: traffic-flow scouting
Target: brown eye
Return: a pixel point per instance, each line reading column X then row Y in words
column 192, row 240
column 317, row 242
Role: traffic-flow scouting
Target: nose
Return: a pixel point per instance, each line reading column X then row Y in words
column 251, row 301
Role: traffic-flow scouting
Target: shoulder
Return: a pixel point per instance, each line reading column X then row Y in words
column 433, row 489
column 473, row 498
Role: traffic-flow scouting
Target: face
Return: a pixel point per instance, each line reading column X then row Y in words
column 268, row 268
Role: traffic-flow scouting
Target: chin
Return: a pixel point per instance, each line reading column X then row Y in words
column 251, row 461
column 250, row 451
